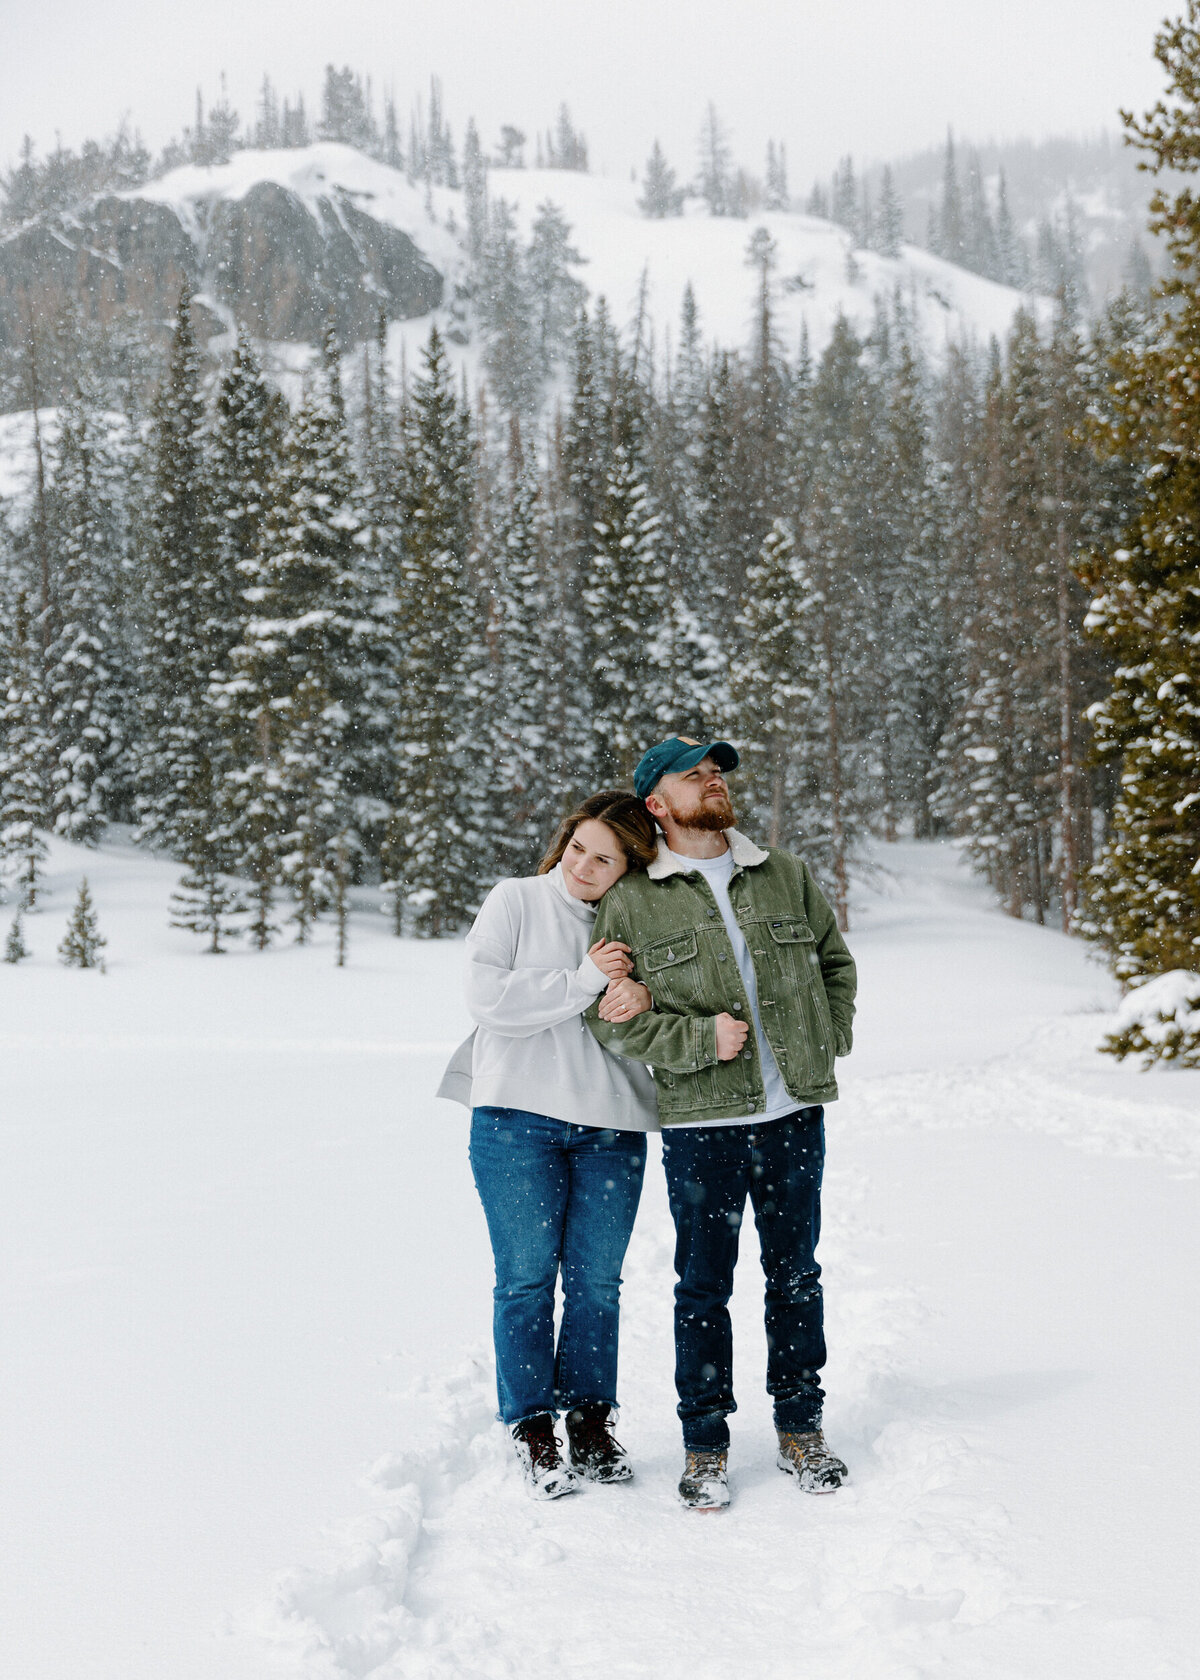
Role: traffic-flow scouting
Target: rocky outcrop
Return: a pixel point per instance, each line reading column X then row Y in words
column 284, row 272
column 265, row 260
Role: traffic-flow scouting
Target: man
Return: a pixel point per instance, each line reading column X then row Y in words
column 753, row 992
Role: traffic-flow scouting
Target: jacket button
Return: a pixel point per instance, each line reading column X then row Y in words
column 712, row 912
column 720, row 956
column 746, row 1054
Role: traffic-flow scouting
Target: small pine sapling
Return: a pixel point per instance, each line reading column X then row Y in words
column 203, row 902
column 83, row 942
column 341, row 899
column 15, row 947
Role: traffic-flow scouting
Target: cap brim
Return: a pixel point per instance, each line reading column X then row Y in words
column 722, row 753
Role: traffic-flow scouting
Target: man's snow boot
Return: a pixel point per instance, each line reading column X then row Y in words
column 594, row 1453
column 806, row 1457
column 704, row 1485
column 546, row 1476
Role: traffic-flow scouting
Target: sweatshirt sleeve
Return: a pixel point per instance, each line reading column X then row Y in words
column 518, row 1002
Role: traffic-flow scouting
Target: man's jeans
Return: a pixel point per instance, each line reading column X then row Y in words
column 556, row 1197
column 709, row 1172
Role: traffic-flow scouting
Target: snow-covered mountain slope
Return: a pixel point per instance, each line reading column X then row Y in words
column 283, row 240
column 245, row 1309
column 817, row 275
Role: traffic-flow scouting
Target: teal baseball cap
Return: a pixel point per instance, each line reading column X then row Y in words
column 679, row 752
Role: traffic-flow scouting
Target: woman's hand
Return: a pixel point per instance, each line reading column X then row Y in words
column 623, row 1000
column 611, row 958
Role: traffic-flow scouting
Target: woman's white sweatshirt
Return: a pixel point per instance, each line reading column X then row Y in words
column 529, row 979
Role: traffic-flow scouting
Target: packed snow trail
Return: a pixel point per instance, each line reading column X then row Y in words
column 243, row 1270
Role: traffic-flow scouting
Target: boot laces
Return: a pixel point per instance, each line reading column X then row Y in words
column 537, row 1435
column 591, row 1432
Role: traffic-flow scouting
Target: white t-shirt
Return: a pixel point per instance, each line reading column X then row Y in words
column 718, row 872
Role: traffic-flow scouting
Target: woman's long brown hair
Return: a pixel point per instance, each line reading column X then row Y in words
column 624, row 813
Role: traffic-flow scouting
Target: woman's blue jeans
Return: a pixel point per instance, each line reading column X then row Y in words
column 558, row 1198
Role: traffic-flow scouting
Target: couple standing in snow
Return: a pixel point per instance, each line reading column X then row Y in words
column 654, row 937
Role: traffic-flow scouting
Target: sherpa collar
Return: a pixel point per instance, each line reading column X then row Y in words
column 746, row 855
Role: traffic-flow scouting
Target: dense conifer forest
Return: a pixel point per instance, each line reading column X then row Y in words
column 389, row 631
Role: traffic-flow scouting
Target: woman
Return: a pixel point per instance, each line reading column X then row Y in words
column 557, row 1138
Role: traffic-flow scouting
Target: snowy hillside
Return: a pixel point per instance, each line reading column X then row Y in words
column 620, row 245
column 247, row 1423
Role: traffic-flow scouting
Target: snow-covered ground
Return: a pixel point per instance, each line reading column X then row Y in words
column 246, row 1397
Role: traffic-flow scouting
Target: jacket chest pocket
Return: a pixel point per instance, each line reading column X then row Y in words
column 671, row 969
column 794, row 945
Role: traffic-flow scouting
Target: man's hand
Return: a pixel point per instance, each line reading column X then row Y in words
column 623, row 1000
column 611, row 958
column 731, row 1035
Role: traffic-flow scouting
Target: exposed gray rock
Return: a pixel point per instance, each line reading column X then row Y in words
column 276, row 267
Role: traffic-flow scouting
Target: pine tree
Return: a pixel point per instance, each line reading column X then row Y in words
column 716, row 165
column 267, row 129
column 951, row 235
column 83, row 689
column 660, row 195
column 300, row 657
column 293, row 125
column 778, row 197
column 835, row 800
column 890, row 220
column 519, row 686
column 774, row 695
column 243, row 449
column 204, row 902
column 26, row 755
column 15, row 948
column 177, row 775
column 1143, row 896
column 506, row 309
column 624, row 589
column 431, row 856
column 82, row 944
column 555, row 294
column 474, row 173
column 1012, row 259
column 844, row 199
column 980, row 244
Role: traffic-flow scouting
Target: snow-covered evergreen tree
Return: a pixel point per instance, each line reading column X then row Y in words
column 299, row 660
column 660, row 196
column 82, row 664
column 506, row 309
column 889, row 221
column 26, row 755
column 555, row 294
column 774, row 695
column 83, row 942
column 178, row 777
column 625, row 590
column 716, row 181
column 15, row 948
column 1143, row 897
column 778, row 197
column 432, row 856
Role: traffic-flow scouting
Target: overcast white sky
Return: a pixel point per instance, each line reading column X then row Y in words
column 876, row 77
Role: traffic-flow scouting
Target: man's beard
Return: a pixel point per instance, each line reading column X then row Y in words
column 712, row 817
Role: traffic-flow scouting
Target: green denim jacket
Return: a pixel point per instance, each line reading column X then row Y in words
column 805, row 977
